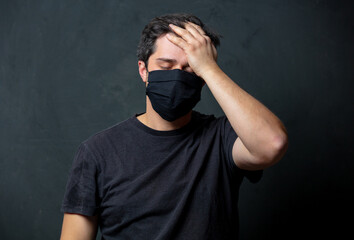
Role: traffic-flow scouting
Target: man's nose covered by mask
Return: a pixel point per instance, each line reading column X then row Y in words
column 173, row 93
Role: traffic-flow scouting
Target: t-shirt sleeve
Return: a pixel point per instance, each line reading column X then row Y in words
column 81, row 195
column 229, row 137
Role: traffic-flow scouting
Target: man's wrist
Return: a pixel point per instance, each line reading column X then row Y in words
column 211, row 72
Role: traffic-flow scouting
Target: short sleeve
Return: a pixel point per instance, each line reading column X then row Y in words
column 229, row 137
column 81, row 194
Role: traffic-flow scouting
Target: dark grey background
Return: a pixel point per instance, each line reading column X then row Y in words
column 68, row 69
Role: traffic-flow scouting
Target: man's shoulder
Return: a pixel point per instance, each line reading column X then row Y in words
column 110, row 133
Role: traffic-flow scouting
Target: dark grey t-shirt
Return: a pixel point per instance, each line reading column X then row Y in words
column 148, row 184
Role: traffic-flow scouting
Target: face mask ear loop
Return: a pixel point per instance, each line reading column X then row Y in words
column 146, row 66
column 147, row 72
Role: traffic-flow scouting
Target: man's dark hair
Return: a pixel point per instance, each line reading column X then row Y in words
column 159, row 25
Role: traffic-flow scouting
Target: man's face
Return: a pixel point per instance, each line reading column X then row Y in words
column 167, row 56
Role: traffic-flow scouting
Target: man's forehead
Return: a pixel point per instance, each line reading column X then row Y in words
column 166, row 49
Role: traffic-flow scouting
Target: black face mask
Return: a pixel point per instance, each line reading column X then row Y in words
column 173, row 93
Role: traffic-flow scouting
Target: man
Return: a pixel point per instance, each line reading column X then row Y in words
column 173, row 173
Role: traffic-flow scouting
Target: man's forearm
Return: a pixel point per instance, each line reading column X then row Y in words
column 262, row 133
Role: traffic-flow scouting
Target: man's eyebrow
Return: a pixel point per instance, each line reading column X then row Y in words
column 170, row 60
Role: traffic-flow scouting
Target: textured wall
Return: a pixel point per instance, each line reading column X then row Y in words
column 68, row 69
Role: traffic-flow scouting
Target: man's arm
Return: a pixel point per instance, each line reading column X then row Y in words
column 262, row 138
column 78, row 227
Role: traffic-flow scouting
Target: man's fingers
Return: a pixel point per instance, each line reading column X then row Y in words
column 196, row 34
column 183, row 33
column 176, row 40
column 198, row 28
column 205, row 36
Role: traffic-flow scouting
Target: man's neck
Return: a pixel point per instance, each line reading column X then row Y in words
column 153, row 120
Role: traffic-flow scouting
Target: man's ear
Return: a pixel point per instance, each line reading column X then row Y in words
column 143, row 71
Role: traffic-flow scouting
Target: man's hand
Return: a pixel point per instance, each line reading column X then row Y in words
column 201, row 52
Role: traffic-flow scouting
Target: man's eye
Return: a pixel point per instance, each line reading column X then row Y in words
column 164, row 68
